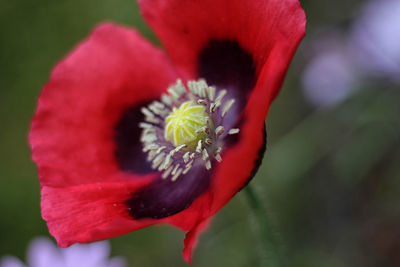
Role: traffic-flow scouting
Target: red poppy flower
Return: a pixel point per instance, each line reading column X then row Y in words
column 86, row 136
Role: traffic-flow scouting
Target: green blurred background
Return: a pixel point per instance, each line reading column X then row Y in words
column 330, row 177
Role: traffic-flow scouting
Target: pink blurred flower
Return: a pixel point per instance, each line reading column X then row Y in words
column 375, row 39
column 330, row 77
column 43, row 253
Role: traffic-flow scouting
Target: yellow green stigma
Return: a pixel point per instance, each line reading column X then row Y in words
column 186, row 125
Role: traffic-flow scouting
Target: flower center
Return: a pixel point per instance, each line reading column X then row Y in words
column 185, row 128
column 184, row 125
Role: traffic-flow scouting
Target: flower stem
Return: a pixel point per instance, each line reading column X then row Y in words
column 271, row 251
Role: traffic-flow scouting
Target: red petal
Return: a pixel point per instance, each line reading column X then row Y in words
column 192, row 239
column 73, row 131
column 185, row 27
column 269, row 30
column 87, row 213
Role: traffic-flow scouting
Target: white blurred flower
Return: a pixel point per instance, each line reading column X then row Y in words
column 330, row 77
column 375, row 39
column 43, row 253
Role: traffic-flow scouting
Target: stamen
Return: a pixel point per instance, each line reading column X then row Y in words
column 144, row 125
column 149, row 116
column 190, row 163
column 211, row 92
column 208, row 165
column 220, row 96
column 199, row 145
column 179, row 147
column 186, row 157
column 204, row 129
column 147, row 112
column 167, row 172
column 159, row 105
column 179, row 87
column 175, row 169
column 161, row 149
column 148, row 138
column 157, row 161
column 150, row 147
column 201, row 91
column 214, row 106
column 188, row 167
column 202, row 102
column 167, row 162
column 151, row 155
column 208, row 121
column 219, row 130
column 172, row 152
column 233, row 131
column 175, row 177
column 158, row 108
column 194, row 88
column 166, row 99
column 161, row 167
column 205, row 154
column 149, row 131
column 173, row 93
column 152, row 120
column 201, row 87
column 218, row 157
column 154, row 109
column 227, row 106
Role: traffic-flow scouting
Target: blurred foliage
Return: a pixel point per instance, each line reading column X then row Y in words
column 330, row 177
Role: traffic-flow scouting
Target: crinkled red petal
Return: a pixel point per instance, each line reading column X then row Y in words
column 89, row 212
column 269, row 30
column 186, row 27
column 73, row 133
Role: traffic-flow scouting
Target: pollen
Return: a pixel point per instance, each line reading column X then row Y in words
column 186, row 125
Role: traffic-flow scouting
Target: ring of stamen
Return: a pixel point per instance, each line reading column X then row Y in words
column 185, row 127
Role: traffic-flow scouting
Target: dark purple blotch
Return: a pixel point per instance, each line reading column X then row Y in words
column 222, row 63
column 226, row 65
column 128, row 151
column 165, row 197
